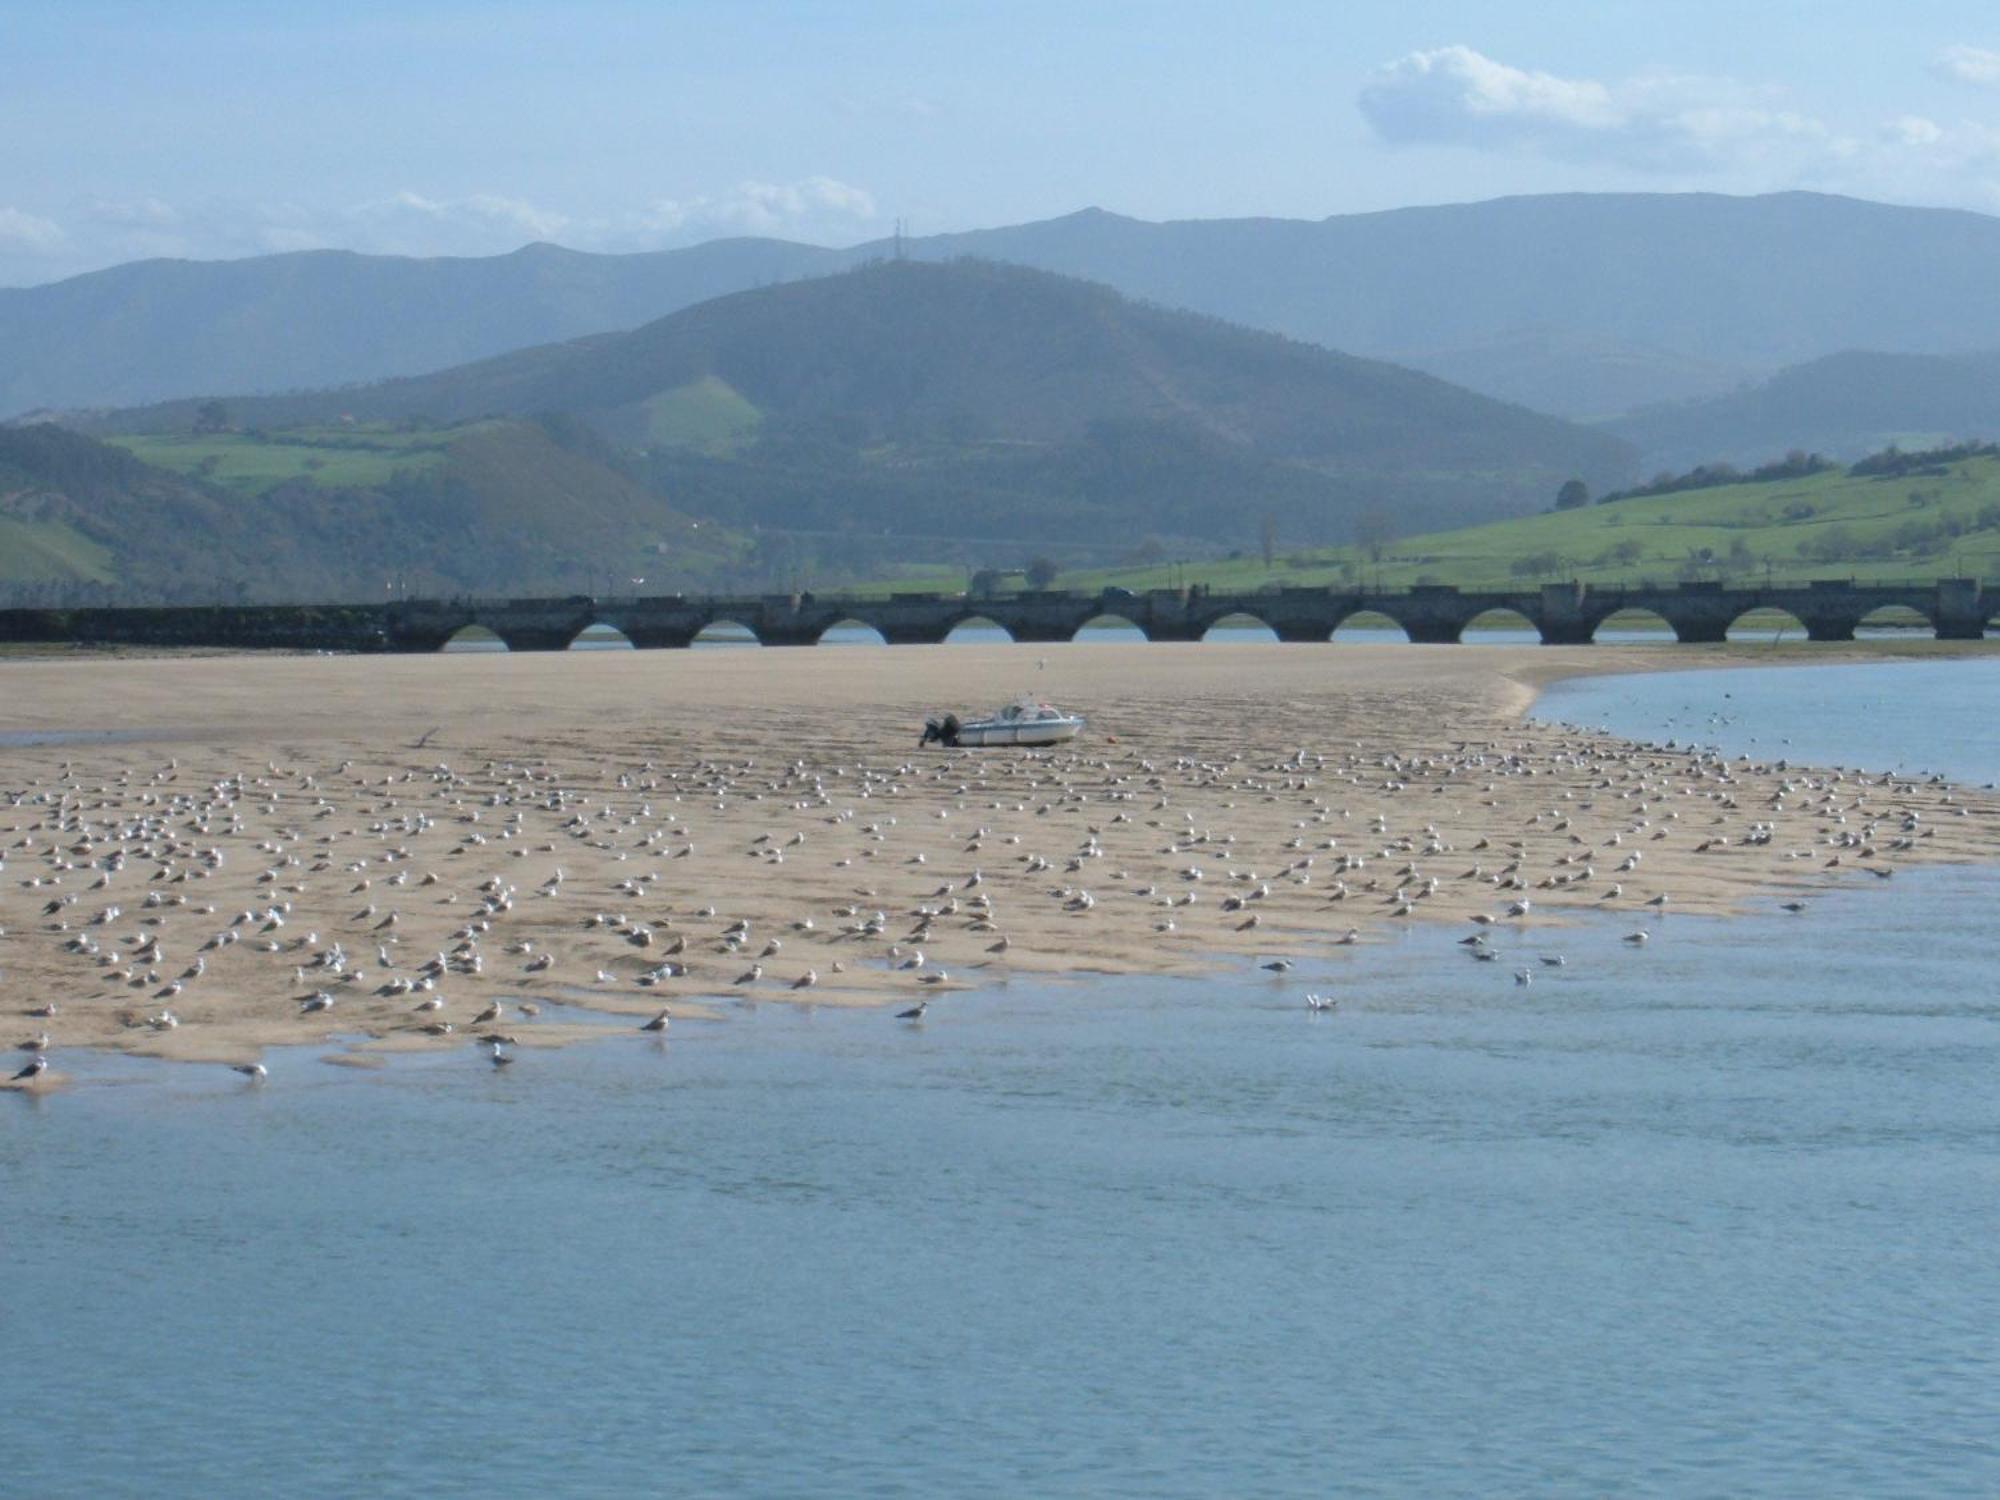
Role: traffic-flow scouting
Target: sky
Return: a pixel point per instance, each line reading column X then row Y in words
column 224, row 128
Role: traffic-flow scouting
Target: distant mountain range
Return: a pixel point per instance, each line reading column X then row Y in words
column 1843, row 406
column 1581, row 305
column 975, row 400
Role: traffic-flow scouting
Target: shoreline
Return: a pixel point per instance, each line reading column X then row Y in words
column 617, row 812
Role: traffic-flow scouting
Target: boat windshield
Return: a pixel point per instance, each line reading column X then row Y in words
column 1027, row 708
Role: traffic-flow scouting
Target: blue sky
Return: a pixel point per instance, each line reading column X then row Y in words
column 221, row 128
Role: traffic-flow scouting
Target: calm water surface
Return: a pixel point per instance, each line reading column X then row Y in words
column 1913, row 716
column 1712, row 1217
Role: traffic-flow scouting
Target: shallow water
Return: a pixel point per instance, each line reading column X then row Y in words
column 1911, row 716
column 1713, row 1216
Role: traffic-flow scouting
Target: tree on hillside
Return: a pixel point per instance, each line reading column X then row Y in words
column 1042, row 571
column 1373, row 528
column 1574, row 495
column 211, row 416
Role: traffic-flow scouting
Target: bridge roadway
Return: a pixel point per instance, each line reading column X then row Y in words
column 1565, row 614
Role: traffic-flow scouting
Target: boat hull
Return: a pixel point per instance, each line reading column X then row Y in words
column 1034, row 732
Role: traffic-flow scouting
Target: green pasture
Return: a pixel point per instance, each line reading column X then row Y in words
column 333, row 457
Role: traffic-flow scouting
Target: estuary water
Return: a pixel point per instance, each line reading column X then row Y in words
column 1716, row 1216
column 1913, row 716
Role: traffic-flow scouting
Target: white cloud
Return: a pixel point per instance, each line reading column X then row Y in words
column 408, row 221
column 146, row 212
column 22, row 231
column 477, row 212
column 1657, row 122
column 1978, row 66
column 1913, row 130
column 808, row 206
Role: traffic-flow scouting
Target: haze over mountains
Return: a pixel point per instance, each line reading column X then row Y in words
column 753, row 411
column 1843, row 406
column 1579, row 305
column 972, row 400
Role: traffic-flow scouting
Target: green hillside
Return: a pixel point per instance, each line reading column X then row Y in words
column 1936, row 519
column 517, row 507
column 973, row 401
column 707, row 415
column 348, row 457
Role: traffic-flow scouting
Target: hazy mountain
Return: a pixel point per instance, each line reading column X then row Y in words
column 1844, row 406
column 163, row 328
column 1584, row 304
column 976, row 399
column 1605, row 301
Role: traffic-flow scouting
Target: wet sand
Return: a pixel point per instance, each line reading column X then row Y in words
column 285, row 849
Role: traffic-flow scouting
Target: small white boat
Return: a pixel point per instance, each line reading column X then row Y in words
column 1024, row 723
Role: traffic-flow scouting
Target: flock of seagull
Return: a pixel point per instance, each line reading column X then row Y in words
column 155, row 905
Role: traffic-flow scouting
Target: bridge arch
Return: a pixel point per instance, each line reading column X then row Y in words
column 1237, row 627
column 1897, row 621
column 1767, row 625
column 1109, row 629
column 1633, row 627
column 851, row 630
column 1500, row 627
column 724, row 632
column 977, row 630
column 600, row 635
column 1368, row 626
column 473, row 639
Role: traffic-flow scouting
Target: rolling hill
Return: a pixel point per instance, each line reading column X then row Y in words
column 1586, row 305
column 1844, row 406
column 333, row 514
column 976, row 400
column 1916, row 516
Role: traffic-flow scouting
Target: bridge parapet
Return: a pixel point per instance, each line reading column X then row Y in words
column 1568, row 613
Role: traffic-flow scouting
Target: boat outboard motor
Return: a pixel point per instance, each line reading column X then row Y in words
column 944, row 731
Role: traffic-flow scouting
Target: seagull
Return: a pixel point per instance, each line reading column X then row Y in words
column 491, row 1013
column 658, row 1023
column 806, row 980
column 37, row 1065
column 1321, row 1002
column 255, row 1071
column 915, row 1012
column 500, row 1059
column 1278, row 965
column 1795, row 906
column 1636, row 938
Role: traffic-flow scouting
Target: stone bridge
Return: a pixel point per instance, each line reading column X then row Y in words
column 1567, row 614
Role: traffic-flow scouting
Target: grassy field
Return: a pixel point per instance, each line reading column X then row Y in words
column 50, row 551
column 334, row 457
column 1830, row 525
column 706, row 414
column 1827, row 526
